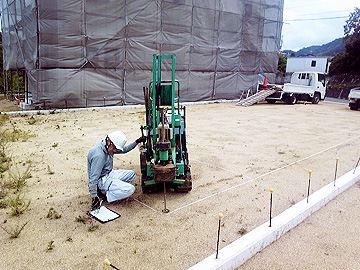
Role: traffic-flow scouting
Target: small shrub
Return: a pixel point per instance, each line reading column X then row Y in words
column 17, row 204
column 4, row 159
column 50, row 245
column 3, row 204
column 82, row 219
column 16, row 134
column 93, row 227
column 69, row 239
column 52, row 214
column 4, row 163
column 17, row 178
column 54, row 145
column 15, row 232
column 32, row 120
column 242, row 231
column 3, row 188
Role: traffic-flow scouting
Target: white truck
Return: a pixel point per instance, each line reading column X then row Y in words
column 354, row 98
column 306, row 86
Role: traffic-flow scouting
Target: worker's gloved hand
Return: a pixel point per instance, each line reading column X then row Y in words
column 141, row 140
column 95, row 203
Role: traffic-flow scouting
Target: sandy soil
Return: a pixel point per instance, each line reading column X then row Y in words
column 237, row 154
column 326, row 240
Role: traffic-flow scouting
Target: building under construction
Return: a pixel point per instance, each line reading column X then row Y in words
column 86, row 53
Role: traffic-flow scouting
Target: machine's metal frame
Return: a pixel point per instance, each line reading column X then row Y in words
column 164, row 157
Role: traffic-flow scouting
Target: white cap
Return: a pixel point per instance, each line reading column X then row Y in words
column 118, row 138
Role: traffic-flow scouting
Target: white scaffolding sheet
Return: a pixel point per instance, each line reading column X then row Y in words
column 79, row 53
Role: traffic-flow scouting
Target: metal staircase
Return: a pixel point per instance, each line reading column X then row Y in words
column 259, row 96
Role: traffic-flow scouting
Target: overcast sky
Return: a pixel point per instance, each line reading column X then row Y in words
column 307, row 22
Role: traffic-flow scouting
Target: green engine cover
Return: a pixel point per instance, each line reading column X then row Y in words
column 165, row 94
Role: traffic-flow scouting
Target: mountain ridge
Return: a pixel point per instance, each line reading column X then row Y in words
column 328, row 49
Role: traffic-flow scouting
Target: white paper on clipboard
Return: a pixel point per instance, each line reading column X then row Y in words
column 103, row 214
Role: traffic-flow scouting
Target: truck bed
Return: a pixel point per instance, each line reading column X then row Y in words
column 297, row 88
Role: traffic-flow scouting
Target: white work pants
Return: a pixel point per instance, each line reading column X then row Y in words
column 116, row 184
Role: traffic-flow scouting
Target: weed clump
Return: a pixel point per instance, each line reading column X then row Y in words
column 52, row 214
column 3, row 189
column 242, row 231
column 3, row 204
column 16, row 134
column 55, row 145
column 50, row 245
column 31, row 120
column 15, row 232
column 7, row 136
column 69, row 239
column 17, row 204
column 17, row 178
column 93, row 227
column 82, row 219
column 4, row 159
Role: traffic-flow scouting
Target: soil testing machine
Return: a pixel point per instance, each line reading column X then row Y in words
column 163, row 157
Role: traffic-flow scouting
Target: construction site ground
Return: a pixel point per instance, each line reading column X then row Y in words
column 236, row 153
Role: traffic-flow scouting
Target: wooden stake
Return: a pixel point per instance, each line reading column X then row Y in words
column 106, row 262
column 218, row 237
column 271, row 193
column 308, row 193
column 356, row 165
column 336, row 167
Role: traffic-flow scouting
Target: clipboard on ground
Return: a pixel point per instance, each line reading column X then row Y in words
column 103, row 214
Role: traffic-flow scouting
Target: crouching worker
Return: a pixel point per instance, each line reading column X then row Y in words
column 104, row 182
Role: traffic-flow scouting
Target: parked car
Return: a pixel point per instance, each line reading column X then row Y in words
column 354, row 98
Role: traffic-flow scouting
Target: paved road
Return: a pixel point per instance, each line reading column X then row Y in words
column 337, row 100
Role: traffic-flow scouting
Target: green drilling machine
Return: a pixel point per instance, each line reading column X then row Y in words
column 163, row 157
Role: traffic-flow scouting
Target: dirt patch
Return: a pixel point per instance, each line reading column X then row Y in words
column 236, row 153
column 8, row 105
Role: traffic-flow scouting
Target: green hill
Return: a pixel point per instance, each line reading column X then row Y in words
column 329, row 49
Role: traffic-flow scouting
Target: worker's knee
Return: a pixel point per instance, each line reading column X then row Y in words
column 131, row 190
column 123, row 175
column 119, row 190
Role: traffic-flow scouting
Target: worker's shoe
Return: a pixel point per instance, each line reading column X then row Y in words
column 101, row 196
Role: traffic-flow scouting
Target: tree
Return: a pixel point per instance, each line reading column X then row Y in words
column 352, row 38
column 352, row 27
column 282, row 64
column 349, row 62
column 15, row 80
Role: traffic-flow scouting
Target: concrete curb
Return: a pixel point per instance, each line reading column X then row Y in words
column 35, row 112
column 239, row 251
